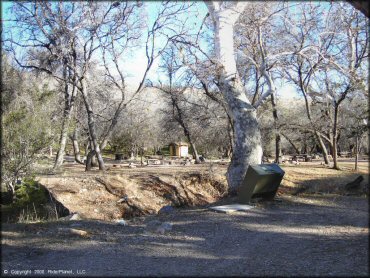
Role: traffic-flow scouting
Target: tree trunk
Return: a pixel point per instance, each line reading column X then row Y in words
column 113, row 124
column 68, row 107
column 76, row 148
column 91, row 125
column 86, row 148
column 62, row 141
column 181, row 121
column 231, row 136
column 89, row 162
column 92, row 162
column 323, row 148
column 195, row 153
column 141, row 155
column 335, row 138
column 357, row 151
column 291, row 143
column 308, row 112
column 247, row 147
column 277, row 130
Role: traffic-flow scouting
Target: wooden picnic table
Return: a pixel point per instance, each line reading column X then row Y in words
column 302, row 157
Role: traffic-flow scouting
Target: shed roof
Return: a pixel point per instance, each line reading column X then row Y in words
column 179, row 143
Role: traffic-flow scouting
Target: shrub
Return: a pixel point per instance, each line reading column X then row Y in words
column 29, row 193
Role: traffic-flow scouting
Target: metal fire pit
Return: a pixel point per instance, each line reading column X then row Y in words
column 261, row 180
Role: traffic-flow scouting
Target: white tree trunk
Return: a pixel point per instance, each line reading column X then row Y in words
column 92, row 128
column 247, row 148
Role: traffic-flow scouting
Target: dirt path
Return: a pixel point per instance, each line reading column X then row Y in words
column 298, row 236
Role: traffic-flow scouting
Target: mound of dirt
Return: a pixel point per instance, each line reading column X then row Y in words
column 113, row 196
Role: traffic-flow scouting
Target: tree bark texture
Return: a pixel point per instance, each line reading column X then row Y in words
column 335, row 138
column 91, row 125
column 68, row 108
column 63, row 139
column 76, row 148
column 247, row 147
column 277, row 130
column 357, row 152
column 323, row 148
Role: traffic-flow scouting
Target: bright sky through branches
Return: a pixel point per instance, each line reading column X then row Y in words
column 135, row 60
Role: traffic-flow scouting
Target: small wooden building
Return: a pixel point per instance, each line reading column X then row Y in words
column 180, row 149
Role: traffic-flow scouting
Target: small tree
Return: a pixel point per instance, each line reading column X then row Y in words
column 24, row 132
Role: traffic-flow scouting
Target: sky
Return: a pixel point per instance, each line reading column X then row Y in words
column 135, row 63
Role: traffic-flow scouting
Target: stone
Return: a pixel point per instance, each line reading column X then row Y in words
column 74, row 216
column 121, row 222
column 72, row 232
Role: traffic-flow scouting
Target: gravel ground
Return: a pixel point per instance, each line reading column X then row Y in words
column 296, row 236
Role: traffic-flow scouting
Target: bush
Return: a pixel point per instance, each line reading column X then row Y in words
column 30, row 193
column 31, row 203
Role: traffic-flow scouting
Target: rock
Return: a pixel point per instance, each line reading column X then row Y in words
column 74, row 216
column 166, row 209
column 121, row 222
column 72, row 232
column 96, row 210
column 131, row 165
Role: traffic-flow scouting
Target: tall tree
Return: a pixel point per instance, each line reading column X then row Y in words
column 247, row 147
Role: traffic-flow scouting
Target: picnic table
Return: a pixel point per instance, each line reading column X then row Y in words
column 302, row 157
column 153, row 161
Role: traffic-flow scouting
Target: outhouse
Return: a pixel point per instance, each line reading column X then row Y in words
column 180, row 149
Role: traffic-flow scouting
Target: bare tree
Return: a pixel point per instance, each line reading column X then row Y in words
column 327, row 77
column 116, row 44
column 47, row 43
column 247, row 147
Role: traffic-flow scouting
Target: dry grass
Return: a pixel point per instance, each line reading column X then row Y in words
column 97, row 195
column 316, row 178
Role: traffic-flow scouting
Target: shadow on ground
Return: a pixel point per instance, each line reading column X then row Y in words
column 298, row 236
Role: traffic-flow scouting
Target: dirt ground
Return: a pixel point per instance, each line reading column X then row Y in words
column 313, row 228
